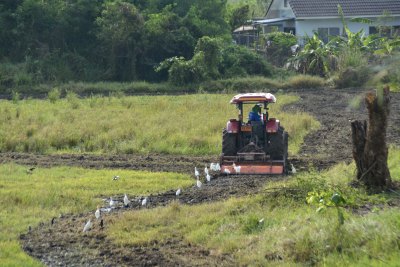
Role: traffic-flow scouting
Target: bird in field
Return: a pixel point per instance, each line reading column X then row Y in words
column 217, row 167
column 126, row 201
column 208, row 177
column 206, row 170
column 261, row 221
column 112, row 202
column 144, row 201
column 178, row 192
column 293, row 168
column 97, row 213
column 101, row 224
column 196, row 172
column 30, row 170
column 116, row 177
column 198, row 183
column 227, row 171
column 236, row 168
column 87, row 226
column 212, row 166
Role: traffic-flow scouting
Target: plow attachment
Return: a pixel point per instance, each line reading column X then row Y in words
column 251, row 163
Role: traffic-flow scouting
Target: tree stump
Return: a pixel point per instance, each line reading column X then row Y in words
column 370, row 151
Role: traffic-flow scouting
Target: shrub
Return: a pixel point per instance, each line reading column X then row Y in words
column 73, row 99
column 305, row 81
column 245, row 84
column 352, row 77
column 388, row 74
column 279, row 46
column 208, row 64
column 240, row 61
column 54, row 95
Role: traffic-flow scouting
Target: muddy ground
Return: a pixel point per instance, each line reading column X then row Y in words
column 63, row 243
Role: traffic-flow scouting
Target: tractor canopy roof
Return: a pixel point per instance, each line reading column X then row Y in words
column 250, row 98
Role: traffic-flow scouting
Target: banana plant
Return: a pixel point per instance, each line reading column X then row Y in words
column 314, row 58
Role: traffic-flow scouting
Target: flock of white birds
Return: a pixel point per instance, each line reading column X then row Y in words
column 144, row 202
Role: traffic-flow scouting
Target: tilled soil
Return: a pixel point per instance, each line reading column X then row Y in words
column 63, row 243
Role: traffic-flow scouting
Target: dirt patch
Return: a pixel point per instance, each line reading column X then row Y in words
column 63, row 243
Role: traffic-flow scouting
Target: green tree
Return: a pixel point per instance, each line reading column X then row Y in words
column 238, row 16
column 165, row 36
column 120, row 31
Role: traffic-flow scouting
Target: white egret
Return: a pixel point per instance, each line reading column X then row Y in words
column 112, row 202
column 206, row 170
column 208, row 177
column 236, row 168
column 144, row 201
column 116, row 177
column 178, row 192
column 212, row 166
column 126, row 201
column 198, row 183
column 293, row 168
column 87, row 226
column 217, row 167
column 97, row 213
column 227, row 171
column 196, row 172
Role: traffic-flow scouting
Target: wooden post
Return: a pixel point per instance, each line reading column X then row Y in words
column 370, row 150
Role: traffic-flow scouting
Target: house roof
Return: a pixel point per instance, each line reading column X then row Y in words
column 245, row 28
column 271, row 21
column 351, row 8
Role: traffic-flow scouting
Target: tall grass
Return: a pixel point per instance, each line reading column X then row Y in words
column 188, row 124
column 27, row 199
column 291, row 233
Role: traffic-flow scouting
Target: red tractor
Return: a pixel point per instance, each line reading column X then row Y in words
column 255, row 146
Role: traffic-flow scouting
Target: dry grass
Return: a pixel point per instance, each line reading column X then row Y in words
column 189, row 124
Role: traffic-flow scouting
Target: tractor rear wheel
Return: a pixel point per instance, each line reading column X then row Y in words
column 278, row 145
column 229, row 147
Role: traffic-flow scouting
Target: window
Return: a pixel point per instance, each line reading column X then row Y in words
column 385, row 31
column 325, row 33
column 291, row 30
column 396, row 31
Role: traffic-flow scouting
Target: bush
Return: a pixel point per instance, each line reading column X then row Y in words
column 12, row 75
column 388, row 74
column 246, row 84
column 352, row 77
column 305, row 81
column 278, row 48
column 54, row 95
column 240, row 61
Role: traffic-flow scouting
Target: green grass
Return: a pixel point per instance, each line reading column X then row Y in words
column 188, row 124
column 292, row 230
column 27, row 199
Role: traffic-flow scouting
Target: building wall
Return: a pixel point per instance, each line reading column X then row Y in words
column 309, row 26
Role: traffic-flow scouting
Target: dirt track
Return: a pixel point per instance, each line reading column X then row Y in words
column 64, row 244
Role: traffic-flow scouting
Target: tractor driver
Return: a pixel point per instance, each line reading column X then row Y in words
column 254, row 114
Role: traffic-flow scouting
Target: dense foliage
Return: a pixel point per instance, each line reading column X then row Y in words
column 214, row 59
column 117, row 40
